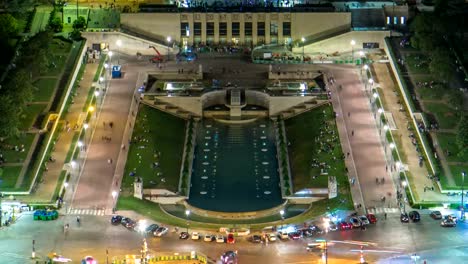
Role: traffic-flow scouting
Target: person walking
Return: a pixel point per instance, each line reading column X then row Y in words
column 352, row 132
column 385, row 216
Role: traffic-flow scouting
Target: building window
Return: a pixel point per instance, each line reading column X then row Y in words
column 273, row 29
column 395, row 20
column 184, row 29
column 260, row 28
column 286, row 28
column 197, row 29
column 235, row 28
column 402, row 20
column 210, row 29
column 222, row 28
column 248, row 29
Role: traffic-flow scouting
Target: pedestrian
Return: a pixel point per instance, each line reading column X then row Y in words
column 376, row 180
column 385, row 216
column 383, row 180
column 352, row 132
column 386, row 168
column 111, row 124
column 349, row 114
column 109, row 161
column 347, row 154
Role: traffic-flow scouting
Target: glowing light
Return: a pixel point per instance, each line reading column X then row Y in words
column 110, row 53
column 353, row 42
column 392, row 145
column 91, row 109
column 85, row 126
column 386, row 127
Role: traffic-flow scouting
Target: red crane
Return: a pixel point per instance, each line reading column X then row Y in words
column 158, row 57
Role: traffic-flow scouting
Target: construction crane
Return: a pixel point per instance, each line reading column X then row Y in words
column 158, row 57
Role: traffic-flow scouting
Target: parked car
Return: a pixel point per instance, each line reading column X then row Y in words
column 256, row 239
column 364, row 220
column 404, row 217
column 436, row 215
column 372, row 218
column 295, row 235
column 332, row 226
column 343, row 225
column 283, row 235
column 231, row 239
column 129, row 223
column 195, row 236
column 208, row 238
column 414, row 216
column 184, row 235
column 316, row 229
column 162, row 230
column 448, row 223
column 151, row 228
column 271, row 237
column 116, row 219
column 307, row 232
column 451, row 218
column 229, row 257
column 355, row 222
column 219, row 239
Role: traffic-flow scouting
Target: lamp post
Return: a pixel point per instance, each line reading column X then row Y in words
column 361, row 55
column 404, row 184
column 187, row 213
column 119, row 44
column 168, row 43
column 303, row 45
column 114, row 197
column 324, row 250
column 365, row 68
column 110, row 53
column 353, row 42
column 282, row 218
column 462, row 204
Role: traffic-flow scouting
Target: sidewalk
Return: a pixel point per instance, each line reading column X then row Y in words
column 418, row 175
column 46, row 188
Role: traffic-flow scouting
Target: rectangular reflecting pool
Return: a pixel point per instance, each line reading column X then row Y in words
column 235, row 167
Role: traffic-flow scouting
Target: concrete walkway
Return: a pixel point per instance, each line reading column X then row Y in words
column 360, row 138
column 46, row 188
column 418, row 175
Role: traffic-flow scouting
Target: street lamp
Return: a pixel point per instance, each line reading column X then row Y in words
column 303, row 45
column 65, row 184
column 85, row 126
column 80, row 145
column 110, row 53
column 324, row 249
column 187, row 213
column 119, row 44
column 462, row 204
column 282, row 218
column 353, row 42
column 168, row 43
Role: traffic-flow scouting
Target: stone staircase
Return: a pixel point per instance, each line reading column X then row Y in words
column 301, row 108
column 168, row 108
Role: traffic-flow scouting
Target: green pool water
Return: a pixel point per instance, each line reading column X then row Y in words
column 235, row 167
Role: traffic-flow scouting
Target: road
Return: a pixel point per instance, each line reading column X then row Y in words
column 426, row 238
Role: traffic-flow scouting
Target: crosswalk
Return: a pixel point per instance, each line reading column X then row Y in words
column 78, row 211
column 381, row 210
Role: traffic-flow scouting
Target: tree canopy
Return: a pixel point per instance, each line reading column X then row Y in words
column 462, row 136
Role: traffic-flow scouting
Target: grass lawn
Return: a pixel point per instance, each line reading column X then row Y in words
column 156, row 132
column 9, row 177
column 313, row 141
column 30, row 114
column 59, row 62
column 457, row 174
column 45, row 89
column 447, row 117
column 8, row 151
column 417, row 63
column 58, row 46
column 447, row 142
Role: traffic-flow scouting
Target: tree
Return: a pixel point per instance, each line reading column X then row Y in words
column 56, row 24
column 8, row 26
column 19, row 88
column 75, row 35
column 10, row 118
column 462, row 136
column 80, row 23
column 441, row 65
